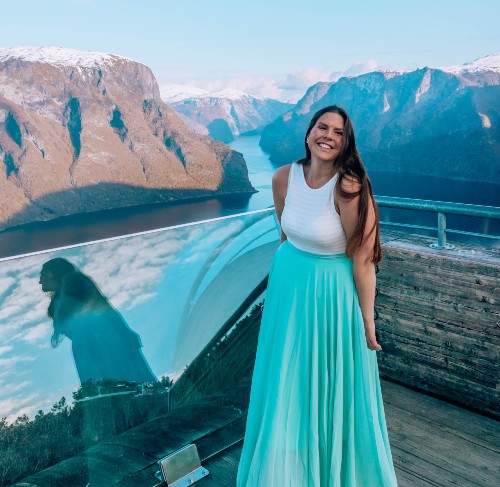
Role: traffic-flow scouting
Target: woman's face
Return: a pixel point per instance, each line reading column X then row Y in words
column 326, row 138
column 47, row 281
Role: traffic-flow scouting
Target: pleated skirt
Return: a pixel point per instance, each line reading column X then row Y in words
column 316, row 416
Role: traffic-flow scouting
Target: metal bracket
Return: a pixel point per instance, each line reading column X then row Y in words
column 181, row 468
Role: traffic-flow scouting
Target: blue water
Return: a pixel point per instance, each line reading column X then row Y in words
column 87, row 227
column 260, row 170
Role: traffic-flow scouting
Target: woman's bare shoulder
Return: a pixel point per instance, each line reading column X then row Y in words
column 280, row 176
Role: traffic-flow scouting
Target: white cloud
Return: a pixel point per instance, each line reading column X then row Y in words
column 290, row 87
column 363, row 67
column 5, row 349
column 14, row 407
column 11, row 388
column 11, row 361
column 38, row 332
column 303, row 79
column 6, row 283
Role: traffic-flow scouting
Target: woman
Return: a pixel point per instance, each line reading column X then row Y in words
column 103, row 345
column 316, row 417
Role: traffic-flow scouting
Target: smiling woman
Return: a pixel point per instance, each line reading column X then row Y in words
column 316, row 416
column 325, row 142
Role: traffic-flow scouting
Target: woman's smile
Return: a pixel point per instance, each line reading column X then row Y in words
column 326, row 138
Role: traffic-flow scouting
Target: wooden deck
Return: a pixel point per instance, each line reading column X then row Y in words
column 434, row 443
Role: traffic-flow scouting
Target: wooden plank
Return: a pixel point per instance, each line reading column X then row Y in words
column 421, row 465
column 442, row 338
column 434, row 443
column 468, row 425
column 440, row 319
column 409, row 479
column 446, row 450
column 450, row 387
column 444, row 316
column 456, row 304
column 222, row 470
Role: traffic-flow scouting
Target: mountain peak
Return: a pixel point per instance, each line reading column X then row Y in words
column 59, row 56
column 177, row 93
column 231, row 94
column 486, row 63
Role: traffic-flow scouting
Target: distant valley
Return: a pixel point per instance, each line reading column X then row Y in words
column 225, row 114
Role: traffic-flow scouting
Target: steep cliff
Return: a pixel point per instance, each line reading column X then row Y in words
column 84, row 131
column 441, row 122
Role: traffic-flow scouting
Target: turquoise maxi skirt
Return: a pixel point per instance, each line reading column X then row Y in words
column 316, row 417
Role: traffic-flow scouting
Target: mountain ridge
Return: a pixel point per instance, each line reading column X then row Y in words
column 426, row 121
column 226, row 114
column 65, row 127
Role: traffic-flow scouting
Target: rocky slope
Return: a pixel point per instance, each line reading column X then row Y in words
column 84, row 131
column 435, row 121
column 224, row 114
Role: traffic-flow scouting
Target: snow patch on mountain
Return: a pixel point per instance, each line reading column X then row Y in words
column 387, row 106
column 232, row 94
column 486, row 63
column 424, row 86
column 59, row 56
column 176, row 93
column 485, row 120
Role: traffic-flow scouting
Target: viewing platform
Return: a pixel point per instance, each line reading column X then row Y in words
column 197, row 312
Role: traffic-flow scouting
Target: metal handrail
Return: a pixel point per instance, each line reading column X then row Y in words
column 135, row 234
column 441, row 208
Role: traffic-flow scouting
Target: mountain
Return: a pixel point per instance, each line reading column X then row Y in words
column 85, row 131
column 224, row 114
column 431, row 121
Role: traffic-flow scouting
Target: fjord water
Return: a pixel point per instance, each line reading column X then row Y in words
column 109, row 223
column 388, row 184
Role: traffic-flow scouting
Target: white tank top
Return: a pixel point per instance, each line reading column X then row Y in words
column 309, row 219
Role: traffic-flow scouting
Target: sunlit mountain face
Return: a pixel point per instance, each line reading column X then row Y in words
column 85, row 131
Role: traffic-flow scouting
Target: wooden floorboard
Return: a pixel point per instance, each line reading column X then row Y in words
column 434, row 444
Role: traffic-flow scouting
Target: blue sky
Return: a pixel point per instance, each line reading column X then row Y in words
column 261, row 46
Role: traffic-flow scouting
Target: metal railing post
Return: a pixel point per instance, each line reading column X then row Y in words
column 441, row 230
column 441, row 233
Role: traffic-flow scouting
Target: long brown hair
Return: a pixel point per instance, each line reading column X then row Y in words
column 349, row 163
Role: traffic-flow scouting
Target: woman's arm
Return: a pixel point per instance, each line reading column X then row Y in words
column 280, row 186
column 363, row 267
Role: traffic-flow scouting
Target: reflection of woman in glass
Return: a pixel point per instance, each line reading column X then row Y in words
column 316, row 416
column 104, row 347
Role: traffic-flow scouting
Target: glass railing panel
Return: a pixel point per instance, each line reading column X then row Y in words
column 107, row 350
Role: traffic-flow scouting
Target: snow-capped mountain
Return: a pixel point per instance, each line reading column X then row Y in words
column 84, row 131
column 486, row 63
column 58, row 56
column 176, row 93
column 436, row 121
column 223, row 114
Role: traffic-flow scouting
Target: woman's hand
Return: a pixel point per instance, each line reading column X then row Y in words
column 371, row 339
